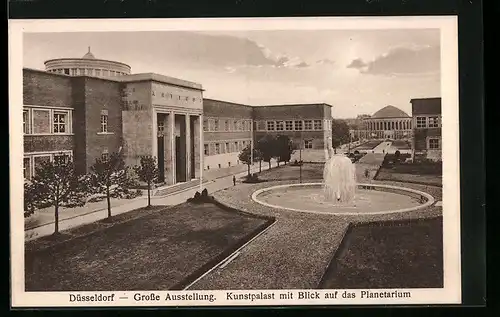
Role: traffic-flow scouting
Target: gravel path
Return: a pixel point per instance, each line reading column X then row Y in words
column 295, row 252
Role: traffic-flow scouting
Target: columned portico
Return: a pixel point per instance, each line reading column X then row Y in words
column 177, row 144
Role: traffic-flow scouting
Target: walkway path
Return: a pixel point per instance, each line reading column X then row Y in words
column 295, row 251
column 70, row 218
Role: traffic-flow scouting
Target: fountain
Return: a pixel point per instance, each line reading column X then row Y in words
column 339, row 177
column 339, row 194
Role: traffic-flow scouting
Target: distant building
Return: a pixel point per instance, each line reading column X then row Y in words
column 387, row 123
column 87, row 108
column 88, row 65
column 426, row 118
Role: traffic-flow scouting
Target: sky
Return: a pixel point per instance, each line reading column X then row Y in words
column 357, row 72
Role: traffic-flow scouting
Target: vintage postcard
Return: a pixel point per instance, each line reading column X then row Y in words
column 234, row 162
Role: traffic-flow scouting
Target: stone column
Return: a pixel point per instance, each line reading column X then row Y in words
column 187, row 126
column 171, row 123
column 198, row 146
column 167, row 144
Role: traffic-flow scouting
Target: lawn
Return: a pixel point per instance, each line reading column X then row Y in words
column 160, row 250
column 389, row 255
column 310, row 171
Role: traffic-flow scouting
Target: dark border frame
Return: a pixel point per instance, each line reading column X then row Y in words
column 471, row 81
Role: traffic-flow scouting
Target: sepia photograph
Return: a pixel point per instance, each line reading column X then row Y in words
column 235, row 162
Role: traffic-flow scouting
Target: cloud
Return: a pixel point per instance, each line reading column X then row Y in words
column 325, row 61
column 357, row 63
column 402, row 60
column 281, row 60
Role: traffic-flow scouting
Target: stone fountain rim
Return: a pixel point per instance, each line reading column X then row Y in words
column 428, row 203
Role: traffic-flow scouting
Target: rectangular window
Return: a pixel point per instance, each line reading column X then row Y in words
column 308, row 144
column 270, row 125
column 105, row 72
column 298, row 125
column 227, row 149
column 280, row 125
column 104, row 123
column 27, row 168
column 60, row 158
column 205, row 149
column 235, row 125
column 98, row 72
column 26, row 122
column 105, row 157
column 205, row 125
column 217, row 148
column 41, row 121
column 308, row 125
column 244, row 144
column 261, row 125
column 318, row 125
column 226, row 125
column 289, row 125
column 161, row 128
column 434, row 144
column 421, row 122
column 433, row 122
column 60, row 122
column 216, row 125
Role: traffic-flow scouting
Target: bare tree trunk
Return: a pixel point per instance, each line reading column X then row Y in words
column 248, row 165
column 56, row 218
column 109, row 201
column 149, row 194
column 269, row 164
column 260, row 166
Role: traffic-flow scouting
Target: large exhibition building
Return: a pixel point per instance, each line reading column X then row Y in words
column 87, row 108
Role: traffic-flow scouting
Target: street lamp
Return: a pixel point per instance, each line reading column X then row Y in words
column 300, row 156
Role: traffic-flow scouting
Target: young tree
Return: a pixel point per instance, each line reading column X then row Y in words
column 246, row 158
column 148, row 173
column 284, row 148
column 110, row 177
column 32, row 199
column 267, row 148
column 57, row 184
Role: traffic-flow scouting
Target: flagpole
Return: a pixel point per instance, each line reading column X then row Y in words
column 251, row 147
column 202, row 153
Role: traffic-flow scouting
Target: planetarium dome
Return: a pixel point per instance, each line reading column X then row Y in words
column 390, row 112
column 88, row 65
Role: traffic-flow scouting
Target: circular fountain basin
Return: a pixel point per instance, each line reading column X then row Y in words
column 370, row 199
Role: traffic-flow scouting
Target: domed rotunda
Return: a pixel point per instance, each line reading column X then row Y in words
column 88, row 65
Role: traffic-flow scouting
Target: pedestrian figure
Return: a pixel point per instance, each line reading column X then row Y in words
column 234, row 180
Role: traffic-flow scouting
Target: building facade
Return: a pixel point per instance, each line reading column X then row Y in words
column 426, row 117
column 309, row 126
column 388, row 123
column 85, row 116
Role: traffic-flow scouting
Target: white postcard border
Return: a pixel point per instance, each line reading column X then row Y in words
column 450, row 294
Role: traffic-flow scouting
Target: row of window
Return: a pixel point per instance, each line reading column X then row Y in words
column 31, row 162
column 427, row 122
column 46, row 121
column 215, row 125
column 388, row 125
column 292, row 125
column 54, row 121
column 215, row 148
column 87, row 72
